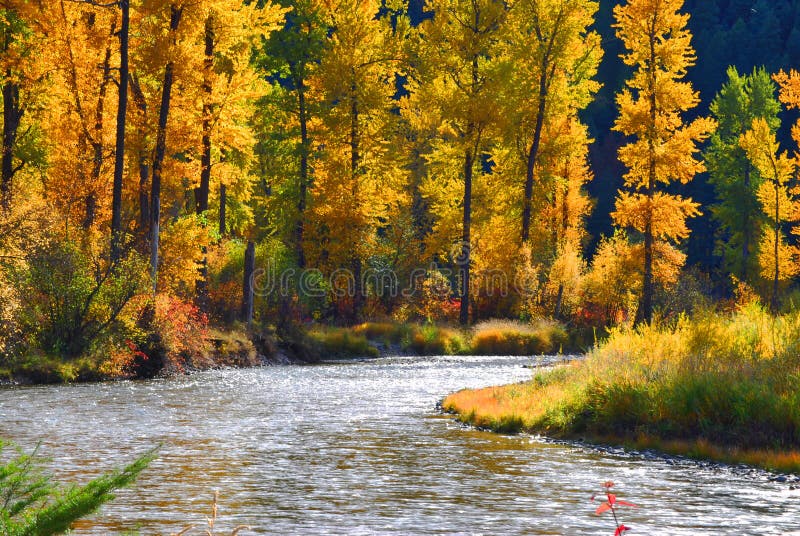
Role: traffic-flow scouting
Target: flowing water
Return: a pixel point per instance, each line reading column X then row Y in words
column 359, row 448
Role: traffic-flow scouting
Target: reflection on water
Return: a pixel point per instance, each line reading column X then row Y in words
column 358, row 449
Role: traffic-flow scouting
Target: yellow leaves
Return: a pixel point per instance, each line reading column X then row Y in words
column 667, row 213
column 182, row 241
column 781, row 263
column 641, row 23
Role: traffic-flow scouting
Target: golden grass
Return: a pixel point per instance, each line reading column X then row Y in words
column 719, row 387
column 507, row 337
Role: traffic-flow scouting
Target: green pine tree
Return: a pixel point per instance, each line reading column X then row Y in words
column 32, row 504
column 741, row 100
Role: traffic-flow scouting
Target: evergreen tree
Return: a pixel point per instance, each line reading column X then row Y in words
column 735, row 180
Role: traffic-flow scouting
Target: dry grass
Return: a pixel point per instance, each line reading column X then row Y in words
column 721, row 387
column 508, row 337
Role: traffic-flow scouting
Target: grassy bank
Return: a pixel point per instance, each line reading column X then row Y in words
column 176, row 339
column 495, row 337
column 720, row 387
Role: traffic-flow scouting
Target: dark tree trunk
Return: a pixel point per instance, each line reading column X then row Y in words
column 746, row 227
column 12, row 116
column 303, row 190
column 247, row 295
column 161, row 147
column 533, row 154
column 223, row 202
column 119, row 152
column 644, row 312
column 463, row 317
column 775, row 301
column 98, row 144
column 201, row 193
column 355, row 172
column 144, row 159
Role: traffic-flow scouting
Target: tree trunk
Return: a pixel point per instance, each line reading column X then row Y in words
column 463, row 317
column 644, row 313
column 533, row 154
column 247, row 295
column 161, row 147
column 559, row 302
column 201, row 193
column 746, row 227
column 119, row 152
column 223, row 201
column 97, row 143
column 355, row 165
column 775, row 303
column 304, row 153
column 12, row 116
column 144, row 159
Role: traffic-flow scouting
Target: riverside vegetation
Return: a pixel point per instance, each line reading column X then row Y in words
column 719, row 386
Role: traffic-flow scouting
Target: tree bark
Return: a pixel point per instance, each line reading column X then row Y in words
column 533, row 154
column 161, row 147
column 303, row 190
column 12, row 117
column 98, row 144
column 355, row 171
column 144, row 159
column 746, row 227
column 223, row 201
column 201, row 193
column 247, row 295
column 119, row 152
column 644, row 313
column 463, row 317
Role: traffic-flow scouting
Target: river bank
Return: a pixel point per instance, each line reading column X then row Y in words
column 720, row 387
column 175, row 348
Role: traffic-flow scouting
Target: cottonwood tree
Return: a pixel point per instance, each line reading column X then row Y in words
column 457, row 80
column 288, row 59
column 359, row 175
column 777, row 259
column 664, row 147
column 555, row 57
column 23, row 72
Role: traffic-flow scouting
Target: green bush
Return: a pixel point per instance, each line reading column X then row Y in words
column 342, row 343
column 69, row 298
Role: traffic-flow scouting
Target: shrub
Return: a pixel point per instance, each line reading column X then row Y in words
column 341, row 343
column 67, row 298
column 435, row 340
column 174, row 336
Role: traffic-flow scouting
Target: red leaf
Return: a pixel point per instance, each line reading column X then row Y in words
column 611, row 498
column 626, row 503
column 621, row 529
column 602, row 508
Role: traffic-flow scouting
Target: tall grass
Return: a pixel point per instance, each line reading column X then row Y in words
column 508, row 337
column 341, row 343
column 714, row 383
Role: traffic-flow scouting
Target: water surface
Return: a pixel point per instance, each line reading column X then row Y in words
column 358, row 448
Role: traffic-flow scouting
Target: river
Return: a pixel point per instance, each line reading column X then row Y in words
column 358, row 448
